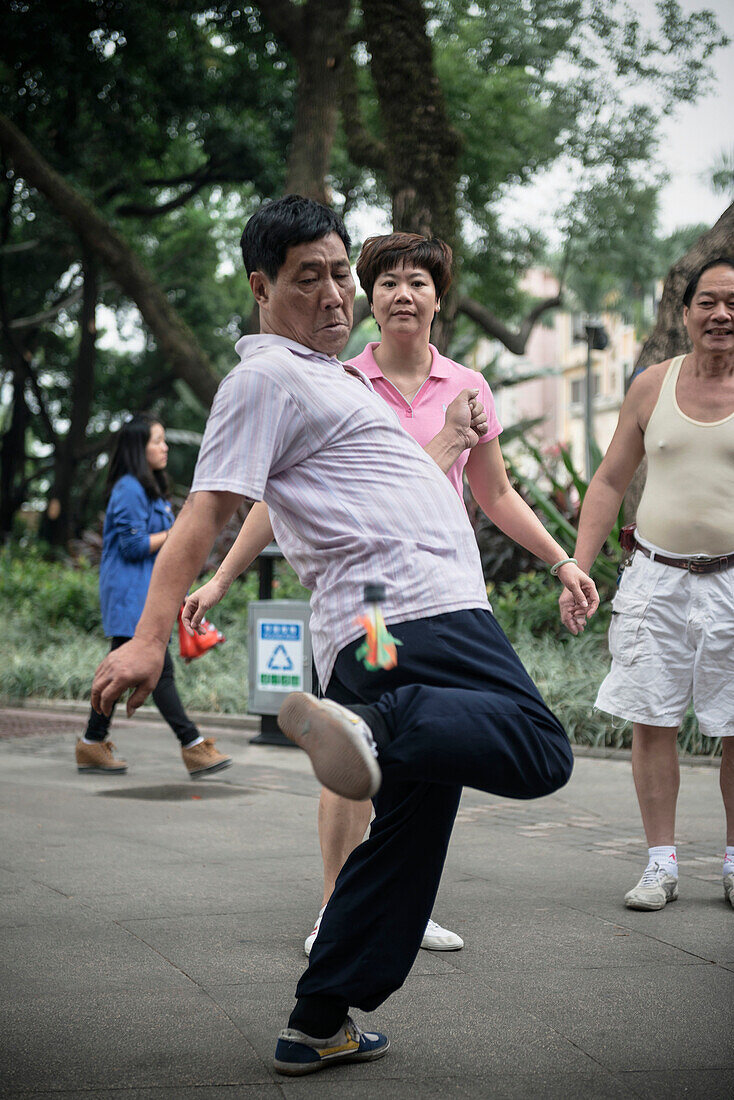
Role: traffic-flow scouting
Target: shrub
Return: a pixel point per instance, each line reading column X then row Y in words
column 529, row 603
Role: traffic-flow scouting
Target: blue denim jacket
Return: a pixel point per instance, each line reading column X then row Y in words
column 127, row 563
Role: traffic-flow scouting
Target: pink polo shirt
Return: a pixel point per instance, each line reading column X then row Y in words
column 425, row 415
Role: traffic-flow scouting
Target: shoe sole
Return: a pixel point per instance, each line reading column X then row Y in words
column 339, row 755
column 443, row 947
column 294, row 1069
column 102, row 771
column 218, row 767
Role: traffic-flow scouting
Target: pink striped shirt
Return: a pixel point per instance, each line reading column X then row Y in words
column 353, row 498
column 425, row 414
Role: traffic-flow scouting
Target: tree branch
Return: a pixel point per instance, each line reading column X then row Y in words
column 513, row 341
column 141, row 210
column 176, row 340
column 34, row 320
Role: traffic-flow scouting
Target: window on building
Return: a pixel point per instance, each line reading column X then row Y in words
column 578, row 388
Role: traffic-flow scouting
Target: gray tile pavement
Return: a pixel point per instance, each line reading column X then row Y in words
column 151, row 936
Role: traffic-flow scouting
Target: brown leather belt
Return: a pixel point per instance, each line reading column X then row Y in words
column 698, row 564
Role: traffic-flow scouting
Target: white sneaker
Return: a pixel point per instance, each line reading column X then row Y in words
column 729, row 889
column 310, row 939
column 654, row 890
column 436, row 938
column 339, row 744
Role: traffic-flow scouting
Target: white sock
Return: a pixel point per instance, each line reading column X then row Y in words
column 729, row 859
column 86, row 741
column 191, row 744
column 665, row 857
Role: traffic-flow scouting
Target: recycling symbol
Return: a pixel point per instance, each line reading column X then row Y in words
column 279, row 660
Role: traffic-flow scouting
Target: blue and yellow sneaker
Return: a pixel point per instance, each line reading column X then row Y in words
column 297, row 1053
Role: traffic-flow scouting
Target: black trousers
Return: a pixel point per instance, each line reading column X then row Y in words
column 458, row 710
column 165, row 697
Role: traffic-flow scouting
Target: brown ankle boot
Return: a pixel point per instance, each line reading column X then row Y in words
column 98, row 758
column 203, row 758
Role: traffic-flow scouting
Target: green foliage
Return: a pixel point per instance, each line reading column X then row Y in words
column 57, row 642
column 176, row 119
column 48, row 595
column 560, row 511
column 529, row 604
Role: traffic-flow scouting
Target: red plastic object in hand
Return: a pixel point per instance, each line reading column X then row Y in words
column 192, row 646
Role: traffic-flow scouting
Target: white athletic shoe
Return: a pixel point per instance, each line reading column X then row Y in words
column 654, row 890
column 310, row 939
column 436, row 938
column 339, row 744
column 729, row 889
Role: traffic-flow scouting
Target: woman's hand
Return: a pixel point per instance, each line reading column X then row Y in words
column 579, row 599
column 198, row 603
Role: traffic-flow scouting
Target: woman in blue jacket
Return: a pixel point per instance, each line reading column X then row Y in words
column 136, row 525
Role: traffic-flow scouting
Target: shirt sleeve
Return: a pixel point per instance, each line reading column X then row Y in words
column 255, row 429
column 129, row 511
column 485, row 396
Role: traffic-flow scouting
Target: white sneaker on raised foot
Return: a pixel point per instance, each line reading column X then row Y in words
column 311, row 938
column 436, row 938
column 654, row 890
column 729, row 889
column 339, row 744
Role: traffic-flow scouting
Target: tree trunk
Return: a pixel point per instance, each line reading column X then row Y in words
column 58, row 521
column 422, row 147
column 175, row 339
column 669, row 336
column 319, row 54
column 12, row 458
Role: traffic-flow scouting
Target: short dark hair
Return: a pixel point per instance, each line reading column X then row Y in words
column 128, row 457
column 282, row 223
column 720, row 261
column 404, row 249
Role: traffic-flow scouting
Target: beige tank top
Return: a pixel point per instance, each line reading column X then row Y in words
column 687, row 506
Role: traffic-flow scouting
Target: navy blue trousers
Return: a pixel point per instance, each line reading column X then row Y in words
column 458, row 710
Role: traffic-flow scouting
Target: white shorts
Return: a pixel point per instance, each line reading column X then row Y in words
column 672, row 639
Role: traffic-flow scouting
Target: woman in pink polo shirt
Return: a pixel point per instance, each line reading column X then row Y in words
column 404, row 277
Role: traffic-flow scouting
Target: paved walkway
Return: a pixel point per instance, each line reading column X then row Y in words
column 151, row 935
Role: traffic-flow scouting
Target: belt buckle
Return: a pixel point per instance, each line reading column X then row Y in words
column 698, row 562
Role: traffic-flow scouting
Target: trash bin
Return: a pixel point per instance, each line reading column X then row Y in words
column 280, row 658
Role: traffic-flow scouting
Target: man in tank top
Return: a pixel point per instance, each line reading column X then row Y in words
column 672, row 631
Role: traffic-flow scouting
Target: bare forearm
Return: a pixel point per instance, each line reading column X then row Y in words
column 519, row 522
column 157, row 540
column 445, row 448
column 190, row 540
column 255, row 534
column 598, row 514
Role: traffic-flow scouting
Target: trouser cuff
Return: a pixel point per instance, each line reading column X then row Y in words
column 318, row 1015
column 374, row 719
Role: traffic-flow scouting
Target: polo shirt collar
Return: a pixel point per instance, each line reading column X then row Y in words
column 367, row 363
column 246, row 345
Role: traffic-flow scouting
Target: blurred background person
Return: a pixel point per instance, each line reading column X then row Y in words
column 137, row 522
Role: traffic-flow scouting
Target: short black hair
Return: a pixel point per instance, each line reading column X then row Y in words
column 283, row 223
column 720, row 261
